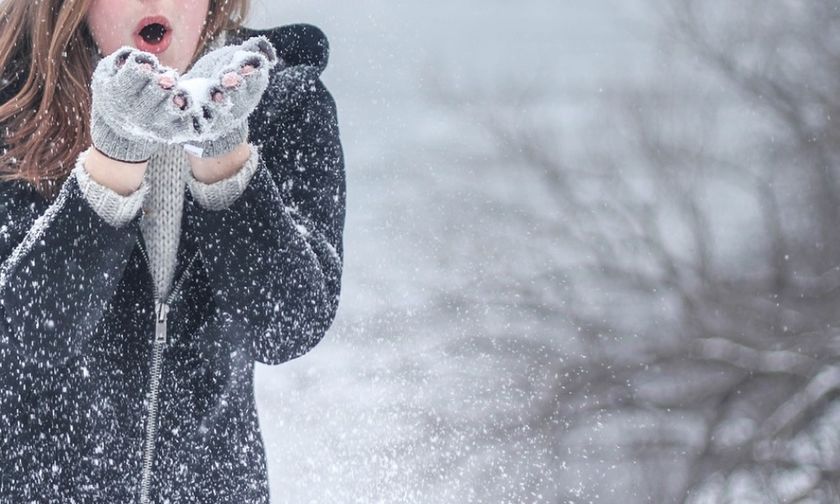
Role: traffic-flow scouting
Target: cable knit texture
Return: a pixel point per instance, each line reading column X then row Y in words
column 161, row 223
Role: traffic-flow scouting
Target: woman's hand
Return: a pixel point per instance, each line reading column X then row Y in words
column 226, row 85
column 137, row 106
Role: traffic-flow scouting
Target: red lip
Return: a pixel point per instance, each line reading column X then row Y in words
column 159, row 47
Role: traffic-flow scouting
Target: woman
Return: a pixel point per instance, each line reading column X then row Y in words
column 134, row 302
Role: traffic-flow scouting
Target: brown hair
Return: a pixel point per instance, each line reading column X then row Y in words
column 46, row 62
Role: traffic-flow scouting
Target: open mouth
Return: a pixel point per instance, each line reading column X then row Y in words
column 153, row 34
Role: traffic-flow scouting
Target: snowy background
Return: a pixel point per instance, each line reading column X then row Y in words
column 390, row 407
column 589, row 256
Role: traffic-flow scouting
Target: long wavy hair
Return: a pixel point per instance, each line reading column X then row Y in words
column 46, row 61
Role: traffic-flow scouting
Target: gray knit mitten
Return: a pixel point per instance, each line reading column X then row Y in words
column 226, row 85
column 136, row 106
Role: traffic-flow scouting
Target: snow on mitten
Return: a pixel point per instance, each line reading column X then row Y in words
column 134, row 109
column 227, row 84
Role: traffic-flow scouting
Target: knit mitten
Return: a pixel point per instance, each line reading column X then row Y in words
column 136, row 106
column 226, row 85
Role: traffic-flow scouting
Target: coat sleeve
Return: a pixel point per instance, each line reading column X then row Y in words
column 61, row 264
column 274, row 256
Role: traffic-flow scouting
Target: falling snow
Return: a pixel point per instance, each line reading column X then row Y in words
column 591, row 258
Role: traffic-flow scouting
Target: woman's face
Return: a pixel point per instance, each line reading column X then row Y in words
column 169, row 29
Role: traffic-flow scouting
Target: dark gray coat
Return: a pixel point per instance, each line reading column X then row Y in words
column 259, row 281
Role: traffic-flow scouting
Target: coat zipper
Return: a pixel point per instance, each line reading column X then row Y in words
column 160, row 341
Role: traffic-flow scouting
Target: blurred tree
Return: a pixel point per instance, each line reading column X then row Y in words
column 696, row 239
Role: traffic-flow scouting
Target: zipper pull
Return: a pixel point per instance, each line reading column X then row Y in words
column 161, row 309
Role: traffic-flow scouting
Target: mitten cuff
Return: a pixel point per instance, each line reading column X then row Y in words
column 221, row 194
column 225, row 143
column 117, row 147
column 116, row 209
